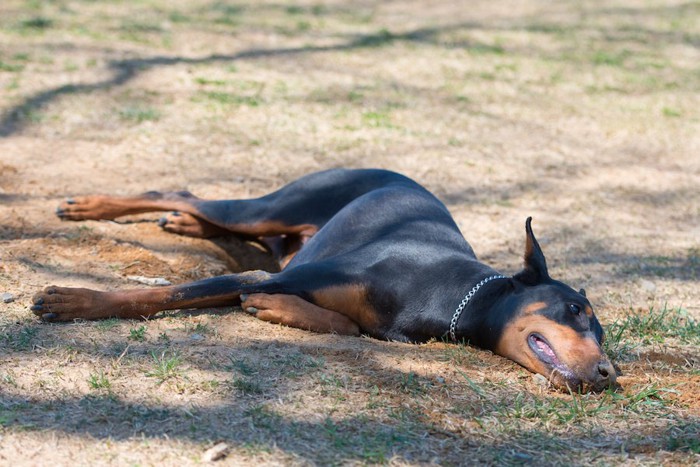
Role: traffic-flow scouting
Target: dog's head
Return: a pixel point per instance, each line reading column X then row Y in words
column 554, row 331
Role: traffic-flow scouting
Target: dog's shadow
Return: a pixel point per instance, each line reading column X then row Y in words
column 238, row 253
column 243, row 255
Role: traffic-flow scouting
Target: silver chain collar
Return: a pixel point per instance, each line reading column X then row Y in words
column 465, row 300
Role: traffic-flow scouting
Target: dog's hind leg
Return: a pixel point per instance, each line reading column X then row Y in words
column 104, row 207
column 299, row 208
column 285, row 219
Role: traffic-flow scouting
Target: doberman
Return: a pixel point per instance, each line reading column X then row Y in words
column 362, row 252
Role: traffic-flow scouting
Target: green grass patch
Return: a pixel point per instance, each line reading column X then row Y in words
column 247, row 386
column 227, row 98
column 226, row 13
column 654, row 326
column 645, row 401
column 178, row 17
column 607, row 58
column 295, row 364
column 643, row 328
column 107, row 324
column 370, row 443
column 377, row 119
column 562, row 411
column 412, row 384
column 649, row 398
column 163, row 338
column 294, row 10
column 208, row 82
column 138, row 334
column 671, row 112
column 11, row 67
column 380, row 38
column 263, row 417
column 483, row 49
column 240, row 366
column 99, row 381
column 134, row 27
column 202, row 328
column 139, row 114
column 165, row 366
column 8, row 379
column 37, row 23
column 21, row 338
column 684, row 436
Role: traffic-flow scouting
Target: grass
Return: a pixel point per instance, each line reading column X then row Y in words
column 37, row 23
column 20, row 338
column 11, row 67
column 99, row 381
column 139, row 114
column 263, row 417
column 513, row 413
column 299, row 364
column 655, row 326
column 684, row 437
column 560, row 111
column 210, row 82
column 377, row 119
column 164, row 338
column 671, row 112
column 227, row 98
column 202, row 328
column 411, row 384
column 241, row 366
column 165, row 366
column 614, row 59
column 138, row 334
column 107, row 324
column 247, row 386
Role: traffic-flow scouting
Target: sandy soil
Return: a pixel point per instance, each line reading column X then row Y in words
column 583, row 115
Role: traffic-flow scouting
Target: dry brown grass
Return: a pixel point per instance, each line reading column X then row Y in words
column 581, row 114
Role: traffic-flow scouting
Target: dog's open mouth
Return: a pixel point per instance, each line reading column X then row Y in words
column 545, row 352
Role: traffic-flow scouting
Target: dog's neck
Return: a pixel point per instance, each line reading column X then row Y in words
column 467, row 299
column 481, row 321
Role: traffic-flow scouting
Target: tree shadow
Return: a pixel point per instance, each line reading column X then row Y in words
column 407, row 435
column 123, row 71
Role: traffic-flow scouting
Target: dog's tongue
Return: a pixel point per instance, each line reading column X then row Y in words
column 546, row 349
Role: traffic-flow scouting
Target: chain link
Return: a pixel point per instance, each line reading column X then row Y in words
column 465, row 300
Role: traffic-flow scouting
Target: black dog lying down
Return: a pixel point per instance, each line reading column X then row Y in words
column 362, row 251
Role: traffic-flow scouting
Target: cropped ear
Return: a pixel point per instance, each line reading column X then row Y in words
column 535, row 270
column 582, row 292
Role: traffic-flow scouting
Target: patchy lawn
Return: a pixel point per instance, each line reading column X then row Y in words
column 584, row 115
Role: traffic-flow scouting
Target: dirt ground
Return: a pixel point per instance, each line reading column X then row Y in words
column 584, row 115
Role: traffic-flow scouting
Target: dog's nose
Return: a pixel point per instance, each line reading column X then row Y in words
column 606, row 374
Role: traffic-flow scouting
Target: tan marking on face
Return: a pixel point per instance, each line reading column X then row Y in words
column 580, row 354
column 351, row 301
column 533, row 308
column 589, row 311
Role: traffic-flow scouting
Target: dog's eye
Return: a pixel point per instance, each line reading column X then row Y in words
column 574, row 308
